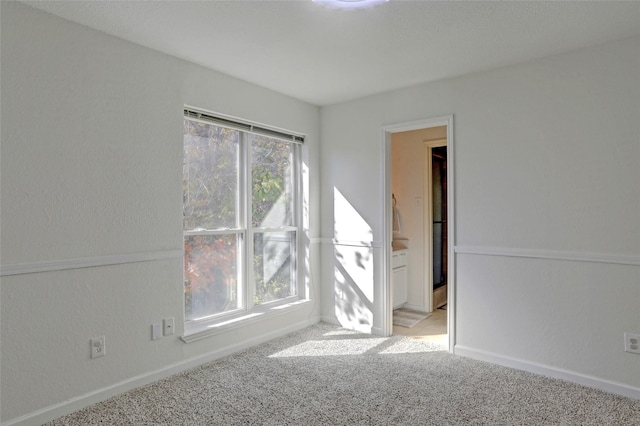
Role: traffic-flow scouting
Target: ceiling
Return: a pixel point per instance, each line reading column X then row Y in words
column 325, row 56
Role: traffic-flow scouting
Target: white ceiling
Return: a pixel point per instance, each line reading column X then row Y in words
column 325, row 56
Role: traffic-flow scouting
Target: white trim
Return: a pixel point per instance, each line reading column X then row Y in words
column 74, row 404
column 550, row 254
column 88, row 262
column 224, row 231
column 330, row 320
column 377, row 331
column 386, row 328
column 245, row 274
column 451, row 237
column 549, row 371
column 418, row 124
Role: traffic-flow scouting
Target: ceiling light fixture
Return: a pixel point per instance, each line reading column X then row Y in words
column 350, row 4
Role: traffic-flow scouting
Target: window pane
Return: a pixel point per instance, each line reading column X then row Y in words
column 272, row 189
column 274, row 265
column 210, row 275
column 210, row 169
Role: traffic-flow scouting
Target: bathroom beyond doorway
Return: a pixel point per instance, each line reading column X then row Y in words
column 404, row 180
column 432, row 329
column 419, row 189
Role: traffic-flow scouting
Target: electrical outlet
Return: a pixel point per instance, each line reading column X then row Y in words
column 632, row 343
column 167, row 323
column 98, row 348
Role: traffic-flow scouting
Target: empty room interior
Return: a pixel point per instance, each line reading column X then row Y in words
column 182, row 181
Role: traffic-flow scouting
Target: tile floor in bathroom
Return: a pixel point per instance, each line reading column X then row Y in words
column 432, row 329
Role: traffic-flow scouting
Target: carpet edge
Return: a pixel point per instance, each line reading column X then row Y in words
column 79, row 402
column 593, row 382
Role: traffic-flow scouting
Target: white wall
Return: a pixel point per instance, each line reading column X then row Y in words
column 91, row 167
column 546, row 163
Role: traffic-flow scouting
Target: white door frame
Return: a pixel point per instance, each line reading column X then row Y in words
column 386, row 209
column 427, row 219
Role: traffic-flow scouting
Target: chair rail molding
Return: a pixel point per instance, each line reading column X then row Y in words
column 573, row 256
column 87, row 262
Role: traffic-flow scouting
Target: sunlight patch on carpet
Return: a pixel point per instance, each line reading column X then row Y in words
column 342, row 332
column 331, row 347
column 412, row 346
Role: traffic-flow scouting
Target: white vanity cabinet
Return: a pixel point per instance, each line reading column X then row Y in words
column 399, row 277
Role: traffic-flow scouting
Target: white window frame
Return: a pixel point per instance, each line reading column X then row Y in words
column 245, row 230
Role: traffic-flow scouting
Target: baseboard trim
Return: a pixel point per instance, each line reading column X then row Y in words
column 77, row 403
column 377, row 331
column 330, row 320
column 549, row 371
column 417, row 308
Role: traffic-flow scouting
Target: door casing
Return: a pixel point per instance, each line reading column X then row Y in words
column 387, row 131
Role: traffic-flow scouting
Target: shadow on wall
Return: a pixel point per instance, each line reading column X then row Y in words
column 353, row 266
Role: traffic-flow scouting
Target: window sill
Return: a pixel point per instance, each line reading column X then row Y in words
column 203, row 331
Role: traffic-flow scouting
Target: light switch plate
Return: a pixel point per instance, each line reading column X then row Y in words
column 156, row 331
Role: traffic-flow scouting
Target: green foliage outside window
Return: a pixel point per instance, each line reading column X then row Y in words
column 211, row 202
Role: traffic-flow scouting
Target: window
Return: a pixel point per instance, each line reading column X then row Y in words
column 241, row 217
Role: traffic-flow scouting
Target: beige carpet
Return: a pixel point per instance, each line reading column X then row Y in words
column 325, row 375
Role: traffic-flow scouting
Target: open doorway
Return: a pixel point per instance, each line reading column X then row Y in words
column 418, row 160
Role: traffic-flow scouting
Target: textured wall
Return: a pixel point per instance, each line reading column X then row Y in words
column 92, row 166
column 546, row 158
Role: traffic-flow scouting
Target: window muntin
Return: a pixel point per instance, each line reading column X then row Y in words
column 240, row 220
